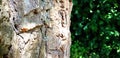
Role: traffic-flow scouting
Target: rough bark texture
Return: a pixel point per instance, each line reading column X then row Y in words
column 35, row 28
column 6, row 31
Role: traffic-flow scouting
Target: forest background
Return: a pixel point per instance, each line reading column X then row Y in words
column 95, row 29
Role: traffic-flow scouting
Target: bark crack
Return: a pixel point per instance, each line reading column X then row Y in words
column 43, row 46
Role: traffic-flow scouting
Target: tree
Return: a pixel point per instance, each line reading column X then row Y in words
column 95, row 29
column 35, row 28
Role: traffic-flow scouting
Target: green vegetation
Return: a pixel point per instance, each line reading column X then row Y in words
column 95, row 28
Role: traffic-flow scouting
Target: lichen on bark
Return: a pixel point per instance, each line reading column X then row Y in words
column 6, row 31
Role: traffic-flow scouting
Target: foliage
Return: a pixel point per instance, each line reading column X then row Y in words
column 95, row 28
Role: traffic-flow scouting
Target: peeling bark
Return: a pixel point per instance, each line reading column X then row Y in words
column 37, row 28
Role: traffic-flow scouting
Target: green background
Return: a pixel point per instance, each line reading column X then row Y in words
column 95, row 29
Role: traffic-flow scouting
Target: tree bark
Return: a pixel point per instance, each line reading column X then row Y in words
column 35, row 28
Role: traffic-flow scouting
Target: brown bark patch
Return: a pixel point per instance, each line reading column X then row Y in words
column 61, row 1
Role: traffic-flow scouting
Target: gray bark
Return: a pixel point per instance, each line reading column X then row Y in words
column 35, row 28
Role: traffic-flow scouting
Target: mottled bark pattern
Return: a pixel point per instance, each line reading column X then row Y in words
column 40, row 27
column 6, row 31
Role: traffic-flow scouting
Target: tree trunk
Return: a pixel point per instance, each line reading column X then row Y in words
column 35, row 28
